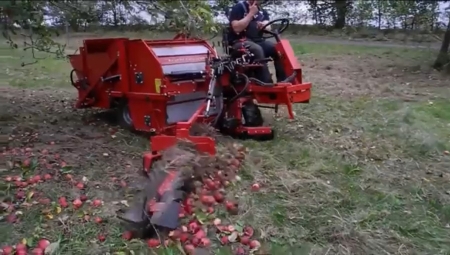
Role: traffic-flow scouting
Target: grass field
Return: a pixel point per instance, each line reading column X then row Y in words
column 364, row 168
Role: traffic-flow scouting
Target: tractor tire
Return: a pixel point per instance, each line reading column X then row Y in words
column 124, row 116
column 252, row 115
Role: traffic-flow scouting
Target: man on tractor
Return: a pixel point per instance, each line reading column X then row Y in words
column 247, row 19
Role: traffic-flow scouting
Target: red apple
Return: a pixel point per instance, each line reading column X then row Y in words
column 77, row 203
column 255, row 187
column 38, row 251
column 153, row 243
column 101, row 237
column 7, row 250
column 43, row 243
column 189, row 249
column 205, row 242
column 245, row 240
column 255, row 244
column 248, row 231
column 127, row 235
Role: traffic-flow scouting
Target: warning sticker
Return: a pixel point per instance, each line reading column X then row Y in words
column 158, row 85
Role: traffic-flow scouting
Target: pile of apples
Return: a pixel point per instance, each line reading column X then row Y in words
column 209, row 196
column 22, row 249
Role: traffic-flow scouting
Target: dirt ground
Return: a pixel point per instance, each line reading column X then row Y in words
column 364, row 168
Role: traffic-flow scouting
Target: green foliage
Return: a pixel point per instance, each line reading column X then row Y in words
column 24, row 19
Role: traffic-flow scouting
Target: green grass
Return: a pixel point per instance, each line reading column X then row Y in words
column 322, row 49
column 356, row 178
column 22, row 70
column 349, row 176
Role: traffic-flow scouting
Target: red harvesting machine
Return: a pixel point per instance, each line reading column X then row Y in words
column 163, row 87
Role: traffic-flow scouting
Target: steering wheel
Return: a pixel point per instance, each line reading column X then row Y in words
column 269, row 34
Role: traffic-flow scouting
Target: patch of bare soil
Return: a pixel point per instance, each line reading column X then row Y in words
column 374, row 76
column 40, row 119
column 75, row 170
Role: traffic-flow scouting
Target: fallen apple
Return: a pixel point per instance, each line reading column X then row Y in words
column 44, row 201
column 255, row 244
column 127, row 235
column 210, row 210
column 207, row 200
column 38, row 251
column 200, row 234
column 239, row 251
column 77, row 203
column 21, row 252
column 224, row 240
column 195, row 241
column 184, row 237
column 189, row 249
column 20, row 194
column 248, row 231
column 26, row 163
column 62, row 202
column 7, row 250
column 101, row 237
column 98, row 220
column 21, row 246
column 245, row 240
column 218, row 197
column 153, row 243
column 205, row 242
column 11, row 218
column 97, row 202
column 80, row 185
column 37, row 178
column 43, row 243
column 193, row 227
column 255, row 187
column 229, row 205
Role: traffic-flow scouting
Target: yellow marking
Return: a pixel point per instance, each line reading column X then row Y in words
column 158, row 85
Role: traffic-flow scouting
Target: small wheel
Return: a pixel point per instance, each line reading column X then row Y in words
column 124, row 116
column 252, row 115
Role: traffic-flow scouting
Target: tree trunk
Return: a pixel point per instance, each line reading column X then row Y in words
column 379, row 19
column 341, row 13
column 443, row 56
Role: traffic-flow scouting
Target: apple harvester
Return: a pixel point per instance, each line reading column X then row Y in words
column 164, row 87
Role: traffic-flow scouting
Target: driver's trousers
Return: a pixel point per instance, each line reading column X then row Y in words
column 261, row 50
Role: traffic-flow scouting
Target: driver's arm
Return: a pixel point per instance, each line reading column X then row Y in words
column 239, row 22
column 266, row 20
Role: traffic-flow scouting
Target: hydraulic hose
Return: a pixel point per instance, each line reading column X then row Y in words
column 287, row 80
column 241, row 93
column 238, row 95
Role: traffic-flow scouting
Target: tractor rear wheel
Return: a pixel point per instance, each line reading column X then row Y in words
column 124, row 116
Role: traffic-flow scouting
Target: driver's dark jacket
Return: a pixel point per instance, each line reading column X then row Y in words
column 252, row 32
